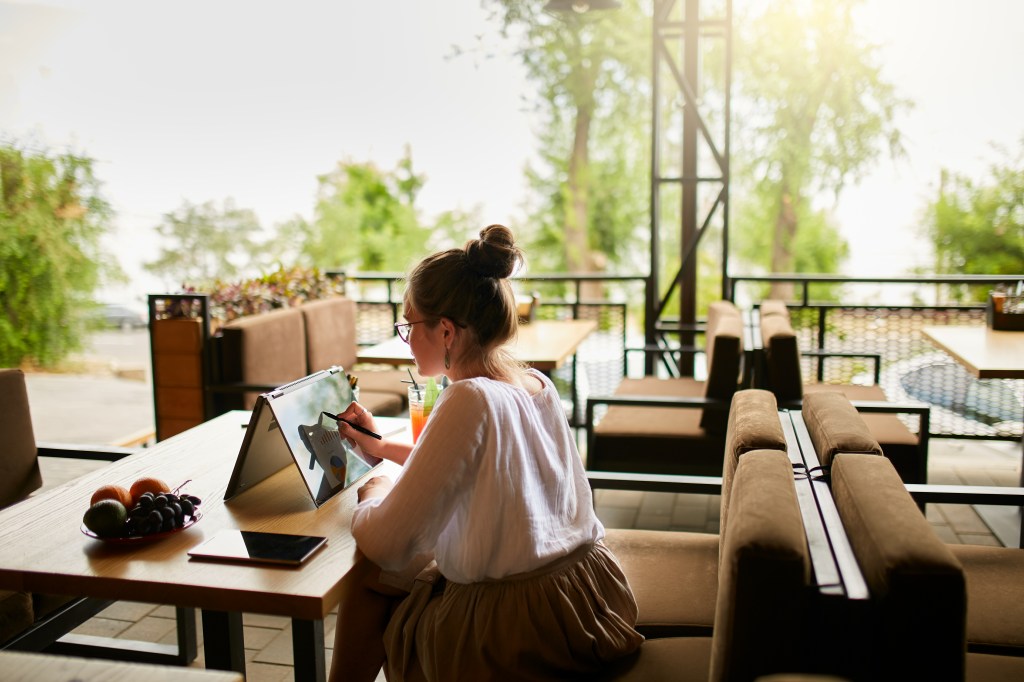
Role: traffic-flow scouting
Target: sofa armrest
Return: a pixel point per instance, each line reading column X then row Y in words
column 661, row 483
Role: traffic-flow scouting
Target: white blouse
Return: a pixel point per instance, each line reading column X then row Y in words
column 494, row 486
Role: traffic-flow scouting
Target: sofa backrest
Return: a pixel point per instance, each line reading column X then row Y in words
column 764, row 581
column 330, row 333
column 773, row 306
column 724, row 348
column 754, row 426
column 269, row 348
column 835, row 426
column 19, row 466
column 781, row 357
column 917, row 586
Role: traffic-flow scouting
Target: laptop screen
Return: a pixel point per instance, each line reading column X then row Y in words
column 294, row 423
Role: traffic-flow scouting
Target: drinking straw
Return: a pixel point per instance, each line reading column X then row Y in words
column 415, row 386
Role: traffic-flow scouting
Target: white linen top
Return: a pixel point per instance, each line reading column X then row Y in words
column 494, row 486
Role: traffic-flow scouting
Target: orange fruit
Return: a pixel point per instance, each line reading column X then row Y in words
column 147, row 484
column 112, row 492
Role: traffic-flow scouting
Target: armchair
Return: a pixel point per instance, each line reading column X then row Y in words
column 671, row 426
column 939, row 611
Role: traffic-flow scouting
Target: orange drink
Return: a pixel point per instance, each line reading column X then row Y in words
column 417, row 414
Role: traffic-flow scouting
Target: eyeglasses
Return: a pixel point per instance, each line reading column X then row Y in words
column 403, row 329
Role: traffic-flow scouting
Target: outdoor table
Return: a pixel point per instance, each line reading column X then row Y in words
column 542, row 344
column 45, row 550
column 987, row 354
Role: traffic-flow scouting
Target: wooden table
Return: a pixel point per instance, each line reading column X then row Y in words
column 44, row 549
column 20, row 666
column 987, row 354
column 542, row 344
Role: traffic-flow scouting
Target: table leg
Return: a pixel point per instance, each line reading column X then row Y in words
column 308, row 650
column 222, row 640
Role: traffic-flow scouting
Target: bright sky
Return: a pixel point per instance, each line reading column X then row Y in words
column 230, row 98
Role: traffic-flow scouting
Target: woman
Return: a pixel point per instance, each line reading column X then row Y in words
column 495, row 491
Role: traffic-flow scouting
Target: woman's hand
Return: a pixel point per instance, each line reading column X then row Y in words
column 357, row 414
column 378, row 486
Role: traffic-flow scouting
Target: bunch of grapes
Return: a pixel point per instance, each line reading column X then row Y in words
column 160, row 513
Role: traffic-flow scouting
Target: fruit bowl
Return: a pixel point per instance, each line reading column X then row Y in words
column 138, row 539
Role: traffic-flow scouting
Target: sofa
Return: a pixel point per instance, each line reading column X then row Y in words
column 256, row 353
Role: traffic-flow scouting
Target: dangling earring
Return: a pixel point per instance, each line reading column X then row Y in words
column 447, row 359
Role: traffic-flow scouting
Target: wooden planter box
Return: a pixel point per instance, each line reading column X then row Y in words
column 177, row 375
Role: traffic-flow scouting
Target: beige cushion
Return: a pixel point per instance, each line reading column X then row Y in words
column 754, row 426
column 15, row 613
column 675, row 659
column 898, row 443
column 764, row 575
column 19, row 468
column 724, row 339
column 995, row 594
column 916, row 583
column 773, row 306
column 835, row 426
column 269, row 348
column 330, row 333
column 674, row 576
column 381, row 404
column 782, row 358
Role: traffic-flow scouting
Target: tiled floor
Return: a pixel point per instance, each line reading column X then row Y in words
column 268, row 639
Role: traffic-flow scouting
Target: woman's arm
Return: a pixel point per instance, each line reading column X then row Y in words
column 385, row 449
column 393, row 529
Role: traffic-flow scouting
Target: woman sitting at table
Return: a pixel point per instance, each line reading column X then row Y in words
column 495, row 491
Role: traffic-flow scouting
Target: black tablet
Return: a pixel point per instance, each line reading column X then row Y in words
column 257, row 547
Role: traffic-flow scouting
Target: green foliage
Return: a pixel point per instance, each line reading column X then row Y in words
column 592, row 180
column 812, row 113
column 206, row 242
column 283, row 288
column 364, row 218
column 52, row 219
column 977, row 228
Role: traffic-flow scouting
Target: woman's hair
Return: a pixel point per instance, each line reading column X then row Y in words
column 470, row 287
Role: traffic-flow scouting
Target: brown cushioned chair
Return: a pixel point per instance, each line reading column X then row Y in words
column 763, row 615
column 672, row 426
column 916, row 580
column 781, row 374
column 686, row 561
column 33, row 621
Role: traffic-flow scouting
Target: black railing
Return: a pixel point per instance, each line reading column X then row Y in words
column 885, row 315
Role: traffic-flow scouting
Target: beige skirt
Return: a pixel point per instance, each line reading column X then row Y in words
column 566, row 620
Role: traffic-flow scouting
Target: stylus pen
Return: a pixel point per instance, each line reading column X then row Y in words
column 357, row 427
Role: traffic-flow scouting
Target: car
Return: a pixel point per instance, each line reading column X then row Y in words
column 122, row 317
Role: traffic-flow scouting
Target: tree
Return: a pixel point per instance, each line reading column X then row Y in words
column 364, row 218
column 206, row 242
column 977, row 227
column 591, row 70
column 52, row 220
column 813, row 113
